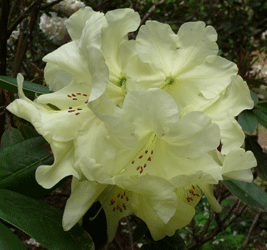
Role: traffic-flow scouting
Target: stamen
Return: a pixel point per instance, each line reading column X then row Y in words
column 92, row 218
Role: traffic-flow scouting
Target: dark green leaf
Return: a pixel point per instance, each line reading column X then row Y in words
column 250, row 193
column 9, row 240
column 252, row 144
column 18, row 165
column 42, row 222
column 262, row 106
column 261, row 115
column 140, row 231
column 29, row 88
column 254, row 97
column 10, row 137
column 248, row 121
column 27, row 132
column 255, row 82
column 171, row 243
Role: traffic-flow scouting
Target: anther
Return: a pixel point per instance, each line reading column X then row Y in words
column 73, row 95
column 74, row 99
column 144, row 165
column 146, row 151
column 141, row 156
column 79, row 109
column 71, row 111
column 127, row 199
column 70, row 107
column 152, row 152
column 69, row 95
column 84, row 95
column 149, row 158
column 78, row 93
column 77, row 113
column 132, row 162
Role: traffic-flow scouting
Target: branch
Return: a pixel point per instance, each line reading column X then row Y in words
column 21, row 17
column 151, row 10
column 250, row 230
column 45, row 6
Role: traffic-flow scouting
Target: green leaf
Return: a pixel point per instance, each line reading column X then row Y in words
column 261, row 115
column 29, row 88
column 262, row 106
column 18, row 165
column 250, row 193
column 9, row 240
column 252, row 144
column 254, row 97
column 248, row 121
column 171, row 243
column 140, row 231
column 10, row 137
column 27, row 131
column 42, row 222
column 255, row 82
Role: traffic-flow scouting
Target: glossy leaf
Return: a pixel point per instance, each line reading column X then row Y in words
column 42, row 222
column 262, row 106
column 248, row 121
column 254, row 97
column 249, row 193
column 252, row 144
column 29, row 88
column 171, row 243
column 8, row 240
column 27, row 131
column 261, row 115
column 18, row 165
column 10, row 137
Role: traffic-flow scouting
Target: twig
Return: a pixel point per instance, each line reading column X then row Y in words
column 195, row 236
column 130, row 232
column 151, row 10
column 21, row 17
column 250, row 230
column 207, row 225
column 45, row 6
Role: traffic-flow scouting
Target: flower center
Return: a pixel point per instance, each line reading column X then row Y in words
column 144, row 157
column 193, row 195
column 80, row 101
column 169, row 80
column 119, row 201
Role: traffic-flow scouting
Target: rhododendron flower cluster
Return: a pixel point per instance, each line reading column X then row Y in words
column 138, row 123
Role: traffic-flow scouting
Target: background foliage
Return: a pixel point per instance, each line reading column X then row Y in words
column 242, row 31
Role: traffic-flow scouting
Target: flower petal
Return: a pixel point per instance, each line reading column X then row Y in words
column 193, row 135
column 83, row 195
column 64, row 57
column 151, row 110
column 157, row 192
column 237, row 165
column 208, row 191
column 156, row 45
column 90, row 44
column 55, row 77
column 236, row 98
column 48, row 176
column 115, row 35
column 76, row 22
